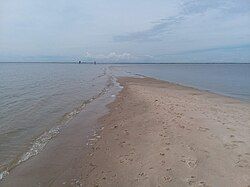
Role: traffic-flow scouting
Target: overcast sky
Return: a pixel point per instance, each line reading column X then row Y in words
column 125, row 31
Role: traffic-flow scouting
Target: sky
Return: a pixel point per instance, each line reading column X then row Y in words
column 152, row 31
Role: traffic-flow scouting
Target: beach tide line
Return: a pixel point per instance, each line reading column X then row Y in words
column 42, row 140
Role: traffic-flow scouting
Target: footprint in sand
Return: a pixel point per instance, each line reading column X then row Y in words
column 143, row 175
column 126, row 132
column 203, row 129
column 238, row 141
column 191, row 147
column 243, row 161
column 231, row 129
column 182, row 126
column 128, row 158
column 168, row 178
column 230, row 146
column 191, row 163
column 202, row 184
column 192, row 181
column 233, row 144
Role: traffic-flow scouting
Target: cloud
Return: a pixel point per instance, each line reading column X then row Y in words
column 199, row 7
column 224, row 6
column 162, row 26
column 110, row 57
column 192, row 16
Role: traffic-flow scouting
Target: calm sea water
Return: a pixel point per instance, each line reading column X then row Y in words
column 227, row 79
column 37, row 99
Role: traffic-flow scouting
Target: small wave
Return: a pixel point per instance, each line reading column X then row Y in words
column 40, row 142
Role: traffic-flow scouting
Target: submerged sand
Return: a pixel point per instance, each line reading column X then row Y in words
column 163, row 134
column 155, row 134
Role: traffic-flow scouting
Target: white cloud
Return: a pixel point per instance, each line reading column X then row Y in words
column 110, row 57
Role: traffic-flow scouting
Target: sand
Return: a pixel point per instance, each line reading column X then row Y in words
column 163, row 134
column 59, row 164
column 153, row 134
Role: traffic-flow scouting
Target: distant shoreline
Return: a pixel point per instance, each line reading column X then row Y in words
column 76, row 62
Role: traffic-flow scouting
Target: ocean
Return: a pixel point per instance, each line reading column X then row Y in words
column 38, row 99
column 227, row 79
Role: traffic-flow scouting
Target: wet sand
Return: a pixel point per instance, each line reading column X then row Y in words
column 162, row 134
column 60, row 163
column 155, row 134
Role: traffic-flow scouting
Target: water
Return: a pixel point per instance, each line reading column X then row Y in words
column 37, row 100
column 228, row 79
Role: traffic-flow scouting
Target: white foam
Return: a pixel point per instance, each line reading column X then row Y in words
column 39, row 144
column 3, row 174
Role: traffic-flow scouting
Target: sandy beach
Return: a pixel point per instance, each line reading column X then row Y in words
column 125, row 93
column 154, row 133
column 162, row 134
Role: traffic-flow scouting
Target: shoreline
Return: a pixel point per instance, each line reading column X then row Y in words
column 159, row 133
column 58, row 162
column 150, row 134
column 41, row 140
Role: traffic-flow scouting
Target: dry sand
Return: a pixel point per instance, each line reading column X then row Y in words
column 162, row 134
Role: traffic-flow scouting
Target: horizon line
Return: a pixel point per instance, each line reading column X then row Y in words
column 76, row 62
